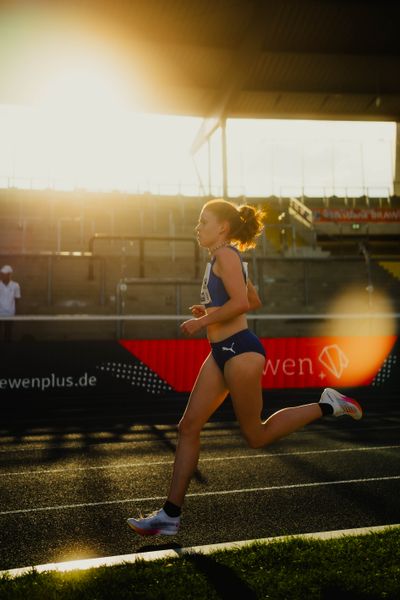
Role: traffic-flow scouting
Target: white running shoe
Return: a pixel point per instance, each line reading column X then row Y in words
column 341, row 404
column 157, row 523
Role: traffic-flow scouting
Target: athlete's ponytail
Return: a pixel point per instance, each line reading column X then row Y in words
column 245, row 222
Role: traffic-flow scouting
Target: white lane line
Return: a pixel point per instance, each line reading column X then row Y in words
column 109, row 561
column 79, row 443
column 273, row 488
column 248, row 456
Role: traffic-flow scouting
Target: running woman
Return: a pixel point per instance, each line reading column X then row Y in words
column 236, row 360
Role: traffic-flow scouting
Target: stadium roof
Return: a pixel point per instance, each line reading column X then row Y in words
column 330, row 59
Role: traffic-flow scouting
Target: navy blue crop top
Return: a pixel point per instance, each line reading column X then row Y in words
column 213, row 292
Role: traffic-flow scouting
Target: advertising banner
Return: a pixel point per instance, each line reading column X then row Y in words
column 356, row 215
column 290, row 363
column 137, row 368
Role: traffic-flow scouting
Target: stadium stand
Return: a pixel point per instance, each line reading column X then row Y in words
column 116, row 254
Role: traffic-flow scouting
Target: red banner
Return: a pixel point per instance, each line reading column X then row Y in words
column 356, row 215
column 290, row 362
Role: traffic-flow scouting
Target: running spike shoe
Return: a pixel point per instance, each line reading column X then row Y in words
column 157, row 523
column 341, row 404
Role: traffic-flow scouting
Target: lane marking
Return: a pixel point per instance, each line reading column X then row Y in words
column 68, row 444
column 273, row 488
column 67, row 470
column 108, row 561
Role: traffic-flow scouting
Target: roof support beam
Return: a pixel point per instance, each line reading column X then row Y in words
column 396, row 182
column 236, row 74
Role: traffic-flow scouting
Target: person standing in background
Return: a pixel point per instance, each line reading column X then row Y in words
column 10, row 293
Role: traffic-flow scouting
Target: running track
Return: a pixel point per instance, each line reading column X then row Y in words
column 70, row 478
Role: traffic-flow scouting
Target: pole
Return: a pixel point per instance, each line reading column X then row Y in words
column 224, row 159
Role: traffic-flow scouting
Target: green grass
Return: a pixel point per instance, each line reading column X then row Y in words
column 364, row 567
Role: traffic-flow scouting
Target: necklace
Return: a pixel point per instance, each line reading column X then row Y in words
column 223, row 245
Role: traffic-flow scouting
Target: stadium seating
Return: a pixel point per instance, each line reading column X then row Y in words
column 48, row 237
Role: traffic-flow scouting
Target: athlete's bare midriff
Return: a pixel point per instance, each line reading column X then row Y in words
column 220, row 331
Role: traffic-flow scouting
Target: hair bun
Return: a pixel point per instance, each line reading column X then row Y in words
column 246, row 213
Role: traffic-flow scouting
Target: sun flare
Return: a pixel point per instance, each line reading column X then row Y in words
column 365, row 328
column 84, row 120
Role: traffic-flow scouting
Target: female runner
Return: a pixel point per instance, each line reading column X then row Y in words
column 236, row 360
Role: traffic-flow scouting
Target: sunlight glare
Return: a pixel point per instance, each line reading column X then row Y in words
column 367, row 337
column 81, row 89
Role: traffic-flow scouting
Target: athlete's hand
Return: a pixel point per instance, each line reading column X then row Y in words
column 197, row 310
column 191, row 327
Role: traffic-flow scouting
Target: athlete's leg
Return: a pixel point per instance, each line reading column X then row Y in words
column 208, row 393
column 243, row 376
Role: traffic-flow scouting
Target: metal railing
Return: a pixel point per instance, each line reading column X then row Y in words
column 368, row 317
column 301, row 212
column 142, row 241
column 123, row 284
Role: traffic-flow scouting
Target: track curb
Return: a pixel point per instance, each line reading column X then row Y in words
column 108, row 561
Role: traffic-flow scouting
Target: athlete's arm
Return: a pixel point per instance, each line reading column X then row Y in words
column 229, row 268
column 252, row 296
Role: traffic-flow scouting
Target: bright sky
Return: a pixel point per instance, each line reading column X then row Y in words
column 106, row 149
column 77, row 129
column 97, row 150
column 321, row 157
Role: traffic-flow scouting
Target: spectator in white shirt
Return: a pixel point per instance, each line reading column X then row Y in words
column 10, row 293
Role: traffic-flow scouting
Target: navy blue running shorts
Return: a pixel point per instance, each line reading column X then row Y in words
column 238, row 343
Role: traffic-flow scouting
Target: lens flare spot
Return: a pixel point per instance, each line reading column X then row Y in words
column 363, row 326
